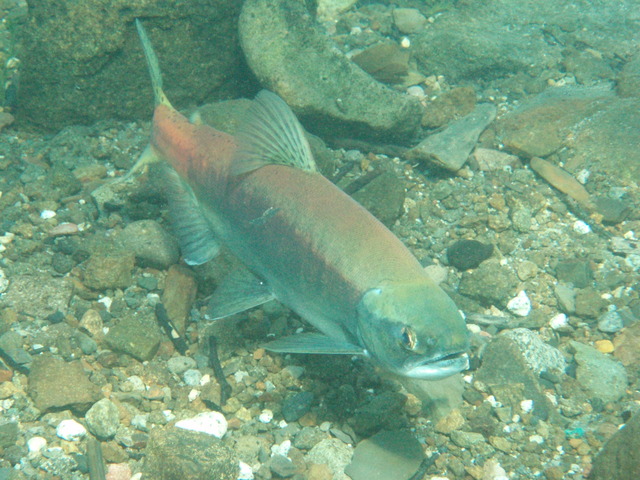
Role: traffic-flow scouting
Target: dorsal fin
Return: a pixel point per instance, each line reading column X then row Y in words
column 271, row 134
column 154, row 66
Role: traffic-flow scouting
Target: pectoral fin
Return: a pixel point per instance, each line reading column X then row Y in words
column 313, row 343
column 239, row 291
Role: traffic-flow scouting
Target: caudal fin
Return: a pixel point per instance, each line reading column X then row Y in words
column 154, row 67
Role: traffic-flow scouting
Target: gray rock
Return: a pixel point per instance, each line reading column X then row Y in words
column 628, row 84
column 491, row 283
column 383, row 197
column 151, row 244
column 620, row 456
column 297, row 405
column 97, row 65
column 451, row 147
column 55, row 385
column 539, row 355
column 409, row 20
column 38, row 295
column 610, row 322
column 8, row 433
column 329, row 93
column 87, row 344
column 306, row 438
column 109, row 271
column 576, row 272
column 508, row 373
column 601, row 376
column 180, row 364
column 136, row 335
column 103, row 419
column 466, row 439
column 392, row 455
column 333, row 453
column 175, row 453
column 566, row 297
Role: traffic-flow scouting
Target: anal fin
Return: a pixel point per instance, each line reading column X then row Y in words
column 239, row 291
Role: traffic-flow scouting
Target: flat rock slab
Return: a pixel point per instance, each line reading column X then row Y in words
column 135, row 335
column 451, row 147
column 57, row 385
column 332, row 96
column 602, row 376
column 37, row 295
column 388, row 455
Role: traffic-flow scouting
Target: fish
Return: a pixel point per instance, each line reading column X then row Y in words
column 302, row 240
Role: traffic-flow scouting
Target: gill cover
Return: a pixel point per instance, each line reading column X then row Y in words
column 414, row 330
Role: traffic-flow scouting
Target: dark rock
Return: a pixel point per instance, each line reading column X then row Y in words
column 282, row 466
column 619, row 459
column 109, row 271
column 329, row 93
column 505, row 369
column 151, row 244
column 55, row 385
column 136, row 335
column 12, row 351
column 466, row 254
column 491, row 283
column 576, row 272
column 297, row 405
column 177, row 454
column 612, row 210
column 382, row 411
column 91, row 57
column 383, row 197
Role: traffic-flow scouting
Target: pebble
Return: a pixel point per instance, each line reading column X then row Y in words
column 581, row 227
column 604, row 346
column 92, row 323
column 466, row 254
column 602, row 376
column 266, row 416
column 151, row 244
column 180, row 364
column 4, row 281
column 211, row 423
column 103, row 419
column 296, row 406
column 409, row 20
column 70, row 430
column 192, row 377
column 559, row 322
column 36, row 444
column 520, row 305
column 246, row 472
column 282, row 466
column 610, row 322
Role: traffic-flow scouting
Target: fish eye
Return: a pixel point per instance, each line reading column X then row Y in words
column 408, row 338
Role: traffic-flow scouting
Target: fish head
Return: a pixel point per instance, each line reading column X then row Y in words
column 413, row 330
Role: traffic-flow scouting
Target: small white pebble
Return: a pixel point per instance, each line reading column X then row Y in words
column 325, row 426
column 211, row 423
column 583, row 176
column 559, row 321
column 192, row 377
column 246, row 472
column 193, row 394
column 526, row 405
column 581, row 227
column 416, row 91
column 168, row 415
column 520, row 304
column 106, row 301
column 70, row 430
column 240, row 375
column 266, row 416
column 137, row 476
column 539, row 439
column 206, row 378
column 35, row 444
column 47, row 214
column 405, row 42
column 7, row 238
column 493, row 402
column 282, row 449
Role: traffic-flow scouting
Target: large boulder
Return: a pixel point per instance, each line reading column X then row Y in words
column 82, row 61
column 332, row 96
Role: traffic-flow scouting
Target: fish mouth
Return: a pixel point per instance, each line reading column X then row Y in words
column 437, row 368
